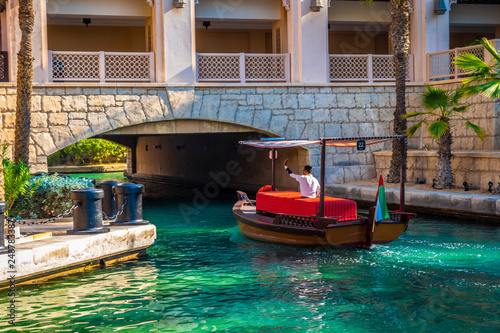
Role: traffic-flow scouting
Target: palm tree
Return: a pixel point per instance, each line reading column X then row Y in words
column 441, row 106
column 24, row 82
column 400, row 38
column 485, row 77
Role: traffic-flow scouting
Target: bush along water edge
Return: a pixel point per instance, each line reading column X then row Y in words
column 89, row 151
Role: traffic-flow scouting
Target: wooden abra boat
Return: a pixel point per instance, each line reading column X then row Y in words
column 285, row 217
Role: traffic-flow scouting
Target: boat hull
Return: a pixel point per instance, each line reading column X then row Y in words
column 341, row 234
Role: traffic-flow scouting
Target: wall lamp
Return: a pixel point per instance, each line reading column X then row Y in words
column 179, row 3
column 440, row 7
column 316, row 5
column 87, row 21
column 206, row 24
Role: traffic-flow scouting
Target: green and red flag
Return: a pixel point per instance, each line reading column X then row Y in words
column 381, row 211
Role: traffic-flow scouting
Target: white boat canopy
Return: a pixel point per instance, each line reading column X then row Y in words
column 333, row 142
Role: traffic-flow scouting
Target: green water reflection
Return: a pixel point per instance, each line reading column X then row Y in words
column 203, row 275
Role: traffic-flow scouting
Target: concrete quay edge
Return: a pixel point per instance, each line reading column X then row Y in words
column 88, row 168
column 65, row 253
column 432, row 202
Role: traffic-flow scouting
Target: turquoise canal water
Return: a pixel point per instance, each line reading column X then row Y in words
column 203, row 275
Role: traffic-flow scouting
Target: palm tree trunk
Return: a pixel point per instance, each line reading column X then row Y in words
column 24, row 82
column 400, row 37
column 444, row 177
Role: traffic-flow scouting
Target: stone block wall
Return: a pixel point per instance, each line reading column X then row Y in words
column 483, row 112
column 477, row 169
column 63, row 114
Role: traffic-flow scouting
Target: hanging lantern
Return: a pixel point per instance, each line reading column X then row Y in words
column 316, row 5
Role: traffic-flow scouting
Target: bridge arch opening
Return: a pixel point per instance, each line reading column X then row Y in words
column 200, row 152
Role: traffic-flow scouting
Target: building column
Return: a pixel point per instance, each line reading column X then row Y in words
column 40, row 46
column 158, row 38
column 314, row 25
column 429, row 33
column 179, row 43
column 294, row 40
column 5, row 19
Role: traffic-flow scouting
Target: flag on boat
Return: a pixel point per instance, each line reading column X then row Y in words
column 381, row 211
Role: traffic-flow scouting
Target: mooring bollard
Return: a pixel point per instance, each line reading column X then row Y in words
column 108, row 202
column 132, row 210
column 3, row 209
column 87, row 217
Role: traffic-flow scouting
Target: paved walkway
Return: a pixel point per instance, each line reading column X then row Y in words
column 477, row 206
column 62, row 253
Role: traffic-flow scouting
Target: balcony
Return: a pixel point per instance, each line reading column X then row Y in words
column 102, row 66
column 365, row 68
column 242, row 67
column 441, row 66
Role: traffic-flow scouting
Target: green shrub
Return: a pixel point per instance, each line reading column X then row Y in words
column 89, row 151
column 52, row 194
column 17, row 187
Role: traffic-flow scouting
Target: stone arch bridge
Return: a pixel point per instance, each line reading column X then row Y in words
column 63, row 114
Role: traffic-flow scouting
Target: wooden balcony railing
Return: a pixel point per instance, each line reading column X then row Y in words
column 441, row 66
column 101, row 66
column 242, row 67
column 365, row 67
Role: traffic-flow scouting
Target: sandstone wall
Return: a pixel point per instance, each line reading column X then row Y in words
column 483, row 112
column 66, row 113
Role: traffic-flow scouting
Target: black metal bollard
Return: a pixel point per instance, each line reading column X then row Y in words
column 132, row 211
column 108, row 202
column 87, row 218
column 3, row 209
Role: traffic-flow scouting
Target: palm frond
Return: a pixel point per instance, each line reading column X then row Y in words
column 437, row 129
column 477, row 129
column 490, row 48
column 455, row 97
column 435, row 98
column 461, row 108
column 471, row 63
column 490, row 89
column 411, row 131
column 414, row 114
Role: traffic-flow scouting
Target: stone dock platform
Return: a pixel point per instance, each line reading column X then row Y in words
column 462, row 205
column 59, row 253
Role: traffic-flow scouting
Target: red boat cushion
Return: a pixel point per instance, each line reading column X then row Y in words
column 289, row 202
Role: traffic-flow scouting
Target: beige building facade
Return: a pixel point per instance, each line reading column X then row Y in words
column 189, row 42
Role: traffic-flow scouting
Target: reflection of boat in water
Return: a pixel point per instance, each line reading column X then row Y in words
column 285, row 217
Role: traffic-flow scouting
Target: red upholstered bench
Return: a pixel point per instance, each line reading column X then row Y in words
column 289, row 202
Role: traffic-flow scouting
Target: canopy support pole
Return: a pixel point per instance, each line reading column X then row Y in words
column 273, row 158
column 403, row 175
column 322, row 180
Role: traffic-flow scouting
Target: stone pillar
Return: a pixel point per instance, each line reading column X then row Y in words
column 294, row 40
column 13, row 36
column 38, row 38
column 429, row 33
column 179, row 43
column 314, row 25
column 158, row 37
column 40, row 43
